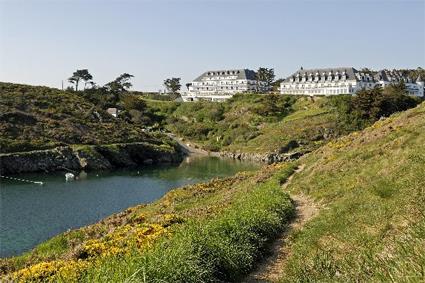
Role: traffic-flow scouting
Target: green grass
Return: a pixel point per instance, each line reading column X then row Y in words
column 223, row 228
column 371, row 226
column 222, row 247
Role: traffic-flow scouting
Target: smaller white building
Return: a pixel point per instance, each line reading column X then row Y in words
column 388, row 77
column 222, row 84
column 329, row 81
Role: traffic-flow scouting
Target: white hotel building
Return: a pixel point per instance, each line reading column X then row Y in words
column 334, row 81
column 326, row 82
column 222, row 84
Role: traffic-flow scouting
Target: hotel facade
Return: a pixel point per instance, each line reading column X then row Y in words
column 334, row 81
column 222, row 84
column 330, row 81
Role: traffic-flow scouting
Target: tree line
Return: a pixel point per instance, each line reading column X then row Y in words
column 369, row 105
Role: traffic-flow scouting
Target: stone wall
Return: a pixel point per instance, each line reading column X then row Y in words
column 89, row 157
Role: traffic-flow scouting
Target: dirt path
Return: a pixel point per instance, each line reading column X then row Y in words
column 188, row 148
column 269, row 270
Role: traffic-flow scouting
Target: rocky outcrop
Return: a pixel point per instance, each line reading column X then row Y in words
column 89, row 157
column 267, row 158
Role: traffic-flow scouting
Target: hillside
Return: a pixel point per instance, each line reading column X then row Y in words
column 33, row 117
column 252, row 123
column 370, row 225
column 370, row 187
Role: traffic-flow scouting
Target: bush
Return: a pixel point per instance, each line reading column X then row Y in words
column 132, row 102
column 368, row 106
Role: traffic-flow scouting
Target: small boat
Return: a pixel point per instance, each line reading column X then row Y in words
column 69, row 177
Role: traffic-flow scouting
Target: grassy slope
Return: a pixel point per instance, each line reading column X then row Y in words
column 307, row 124
column 197, row 233
column 240, row 125
column 33, row 117
column 370, row 185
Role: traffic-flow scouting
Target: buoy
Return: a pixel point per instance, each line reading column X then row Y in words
column 69, row 177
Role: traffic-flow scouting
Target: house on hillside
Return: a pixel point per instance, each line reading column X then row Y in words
column 329, row 81
column 222, row 84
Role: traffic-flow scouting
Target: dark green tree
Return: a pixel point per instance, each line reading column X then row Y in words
column 265, row 75
column 368, row 106
column 172, row 85
column 119, row 86
column 80, row 75
column 133, row 102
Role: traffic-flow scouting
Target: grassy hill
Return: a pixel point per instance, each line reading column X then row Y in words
column 33, row 117
column 251, row 122
column 369, row 188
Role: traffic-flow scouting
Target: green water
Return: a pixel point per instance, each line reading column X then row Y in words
column 31, row 213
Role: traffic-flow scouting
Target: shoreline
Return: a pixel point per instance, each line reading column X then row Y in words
column 89, row 157
column 266, row 158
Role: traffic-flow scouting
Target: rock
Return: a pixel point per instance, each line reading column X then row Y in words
column 267, row 158
column 88, row 158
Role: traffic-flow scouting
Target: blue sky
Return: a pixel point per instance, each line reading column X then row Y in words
column 42, row 42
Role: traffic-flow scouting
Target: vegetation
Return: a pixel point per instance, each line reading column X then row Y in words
column 173, row 85
column 276, row 123
column 119, row 86
column 368, row 106
column 80, row 75
column 204, row 232
column 265, row 75
column 370, row 226
column 157, row 96
column 249, row 122
column 41, row 117
column 370, row 185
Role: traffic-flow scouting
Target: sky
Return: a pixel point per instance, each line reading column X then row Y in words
column 42, row 42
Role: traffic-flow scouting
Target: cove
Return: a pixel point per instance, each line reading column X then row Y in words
column 31, row 214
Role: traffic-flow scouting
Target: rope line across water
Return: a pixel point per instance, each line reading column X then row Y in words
column 22, row 180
